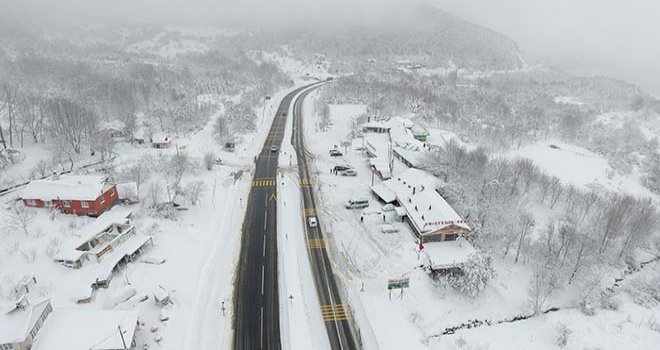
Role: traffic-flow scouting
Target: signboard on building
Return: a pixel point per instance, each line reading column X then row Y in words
column 398, row 283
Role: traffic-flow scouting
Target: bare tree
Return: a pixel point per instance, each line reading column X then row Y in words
column 545, row 282
column 556, row 190
column 525, row 224
column 20, row 218
column 71, row 122
column 613, row 218
column 10, row 97
column 643, row 220
column 138, row 172
column 194, row 190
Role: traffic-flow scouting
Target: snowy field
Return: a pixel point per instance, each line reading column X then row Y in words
column 580, row 167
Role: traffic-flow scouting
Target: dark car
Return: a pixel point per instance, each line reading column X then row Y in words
column 339, row 168
column 335, row 153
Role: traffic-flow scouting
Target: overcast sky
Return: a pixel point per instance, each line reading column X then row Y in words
column 603, row 37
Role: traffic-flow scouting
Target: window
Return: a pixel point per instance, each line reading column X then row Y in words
column 48, row 204
column 84, row 204
column 111, row 193
column 66, row 204
column 451, row 236
column 31, row 202
column 102, row 200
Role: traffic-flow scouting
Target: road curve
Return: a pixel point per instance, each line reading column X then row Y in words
column 336, row 314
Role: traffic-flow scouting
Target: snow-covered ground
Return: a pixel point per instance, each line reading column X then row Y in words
column 200, row 247
column 365, row 258
column 580, row 167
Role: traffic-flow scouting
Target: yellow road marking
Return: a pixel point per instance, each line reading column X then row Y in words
column 264, row 182
column 316, row 243
column 335, row 312
column 306, row 182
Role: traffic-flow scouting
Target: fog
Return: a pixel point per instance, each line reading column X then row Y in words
column 593, row 37
column 589, row 37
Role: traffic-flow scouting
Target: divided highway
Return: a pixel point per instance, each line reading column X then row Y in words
column 256, row 302
column 335, row 312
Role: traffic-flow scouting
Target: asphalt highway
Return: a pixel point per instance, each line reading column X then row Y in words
column 256, row 304
column 335, row 312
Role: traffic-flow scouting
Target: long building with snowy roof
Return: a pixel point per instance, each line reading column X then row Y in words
column 430, row 216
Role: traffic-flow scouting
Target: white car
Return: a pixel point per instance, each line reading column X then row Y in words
column 311, row 221
column 387, row 228
column 348, row 172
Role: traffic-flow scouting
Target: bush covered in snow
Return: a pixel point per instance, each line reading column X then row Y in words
column 474, row 275
column 563, row 334
column 644, row 290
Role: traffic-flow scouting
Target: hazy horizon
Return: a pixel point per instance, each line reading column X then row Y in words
column 583, row 37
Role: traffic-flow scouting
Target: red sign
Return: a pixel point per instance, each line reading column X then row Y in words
column 446, row 222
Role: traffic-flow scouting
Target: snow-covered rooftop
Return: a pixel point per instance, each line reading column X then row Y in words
column 15, row 323
column 74, row 329
column 415, row 190
column 442, row 255
column 117, row 215
column 382, row 166
column 412, row 157
column 67, row 187
column 418, row 130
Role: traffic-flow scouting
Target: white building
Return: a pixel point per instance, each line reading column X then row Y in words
column 430, row 216
column 97, row 239
column 21, row 322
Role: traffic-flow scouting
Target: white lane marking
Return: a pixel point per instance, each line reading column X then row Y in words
column 265, row 216
column 264, row 252
column 262, row 279
column 261, row 332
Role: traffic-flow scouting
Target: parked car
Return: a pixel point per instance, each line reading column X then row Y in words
column 339, row 168
column 335, row 153
column 356, row 203
column 311, row 221
column 387, row 228
column 273, row 148
column 348, row 172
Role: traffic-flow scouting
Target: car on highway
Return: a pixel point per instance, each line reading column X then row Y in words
column 273, row 148
column 348, row 172
column 335, row 153
column 284, row 114
column 311, row 221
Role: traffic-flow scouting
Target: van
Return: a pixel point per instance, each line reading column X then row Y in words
column 356, row 203
column 311, row 221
